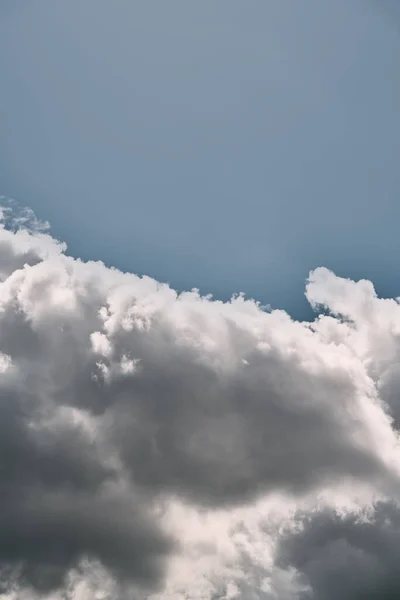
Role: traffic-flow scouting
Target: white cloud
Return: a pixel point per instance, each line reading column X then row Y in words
column 165, row 443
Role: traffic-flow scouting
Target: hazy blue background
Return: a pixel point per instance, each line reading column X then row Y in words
column 224, row 144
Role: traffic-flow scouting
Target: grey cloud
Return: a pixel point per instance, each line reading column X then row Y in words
column 46, row 534
column 351, row 557
column 60, row 501
column 224, row 404
column 117, row 396
column 227, row 439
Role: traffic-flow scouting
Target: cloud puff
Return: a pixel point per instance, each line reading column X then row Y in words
column 147, row 437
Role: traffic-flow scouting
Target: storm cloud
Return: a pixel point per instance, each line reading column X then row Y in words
column 151, row 436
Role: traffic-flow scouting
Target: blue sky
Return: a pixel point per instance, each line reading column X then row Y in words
column 231, row 146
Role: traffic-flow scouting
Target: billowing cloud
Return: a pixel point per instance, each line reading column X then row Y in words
column 162, row 445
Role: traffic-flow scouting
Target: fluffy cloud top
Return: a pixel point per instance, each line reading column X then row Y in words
column 164, row 445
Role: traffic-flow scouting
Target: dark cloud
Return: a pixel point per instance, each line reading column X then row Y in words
column 228, row 437
column 45, row 534
column 352, row 557
column 61, row 502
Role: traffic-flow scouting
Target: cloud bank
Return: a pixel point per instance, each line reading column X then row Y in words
column 163, row 445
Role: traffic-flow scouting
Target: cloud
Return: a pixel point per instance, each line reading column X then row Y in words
column 156, row 444
column 353, row 556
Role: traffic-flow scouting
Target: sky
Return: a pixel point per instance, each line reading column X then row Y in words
column 156, row 442
column 228, row 146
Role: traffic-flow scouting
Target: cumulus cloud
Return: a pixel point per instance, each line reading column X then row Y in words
column 164, row 445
